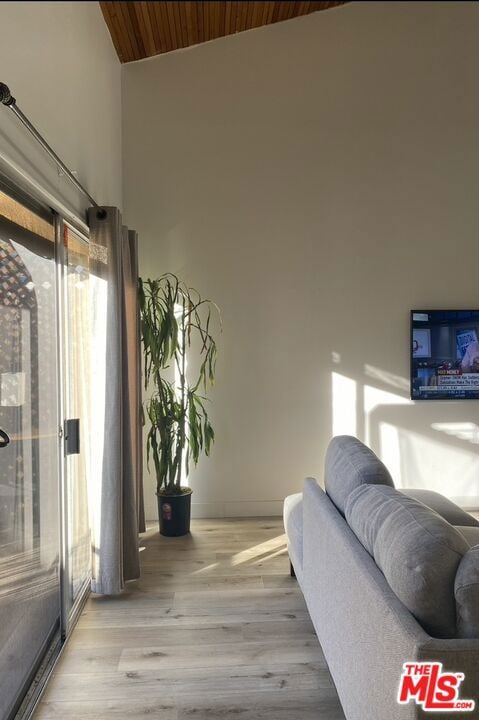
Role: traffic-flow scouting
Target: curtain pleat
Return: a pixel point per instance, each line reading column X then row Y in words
column 116, row 494
column 133, row 351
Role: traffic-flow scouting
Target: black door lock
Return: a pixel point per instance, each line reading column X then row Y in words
column 4, row 439
column 72, row 436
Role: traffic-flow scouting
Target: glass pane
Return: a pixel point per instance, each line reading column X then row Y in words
column 29, row 502
column 77, row 406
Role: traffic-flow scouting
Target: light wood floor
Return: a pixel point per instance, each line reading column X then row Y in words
column 215, row 628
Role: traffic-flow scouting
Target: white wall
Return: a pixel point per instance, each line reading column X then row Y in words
column 60, row 64
column 318, row 178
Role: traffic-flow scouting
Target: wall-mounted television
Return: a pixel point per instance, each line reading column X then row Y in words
column 445, row 354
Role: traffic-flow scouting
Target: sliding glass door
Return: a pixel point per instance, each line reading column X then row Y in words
column 45, row 545
column 29, row 448
column 77, row 386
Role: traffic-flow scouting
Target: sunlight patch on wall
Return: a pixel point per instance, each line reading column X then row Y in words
column 463, row 430
column 344, row 401
column 436, row 465
column 387, row 378
column 391, row 450
column 374, row 398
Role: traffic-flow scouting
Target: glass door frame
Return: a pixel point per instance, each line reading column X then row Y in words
column 35, row 681
column 69, row 613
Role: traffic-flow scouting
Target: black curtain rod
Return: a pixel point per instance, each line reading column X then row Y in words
column 7, row 99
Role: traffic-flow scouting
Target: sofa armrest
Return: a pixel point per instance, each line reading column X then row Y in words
column 456, row 655
column 293, row 526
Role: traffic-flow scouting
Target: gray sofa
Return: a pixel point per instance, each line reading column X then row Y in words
column 388, row 578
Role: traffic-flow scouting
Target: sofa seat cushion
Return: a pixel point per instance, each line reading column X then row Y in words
column 350, row 464
column 470, row 533
column 443, row 506
column 416, row 549
column 467, row 595
column 293, row 525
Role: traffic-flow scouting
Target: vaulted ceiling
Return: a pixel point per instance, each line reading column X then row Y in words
column 144, row 29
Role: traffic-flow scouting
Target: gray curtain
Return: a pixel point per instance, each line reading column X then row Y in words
column 116, row 479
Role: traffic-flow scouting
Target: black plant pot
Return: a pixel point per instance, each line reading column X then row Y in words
column 174, row 512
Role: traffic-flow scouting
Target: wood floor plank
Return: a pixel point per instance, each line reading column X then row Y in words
column 90, row 661
column 134, row 636
column 279, row 630
column 230, row 566
column 279, row 581
column 232, row 629
column 198, row 616
column 131, row 598
column 290, row 599
column 279, row 705
column 220, row 655
column 199, row 582
column 214, row 628
column 190, row 681
column 137, row 709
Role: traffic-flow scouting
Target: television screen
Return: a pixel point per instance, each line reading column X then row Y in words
column 445, row 354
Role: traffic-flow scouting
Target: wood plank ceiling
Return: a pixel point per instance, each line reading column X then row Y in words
column 144, row 29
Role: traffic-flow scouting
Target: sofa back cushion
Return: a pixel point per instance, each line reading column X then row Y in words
column 445, row 507
column 467, row 595
column 416, row 549
column 349, row 464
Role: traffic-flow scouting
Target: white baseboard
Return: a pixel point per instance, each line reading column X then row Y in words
column 274, row 508
column 207, row 510
column 266, row 508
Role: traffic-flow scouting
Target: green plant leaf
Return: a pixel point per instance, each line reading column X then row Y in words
column 174, row 321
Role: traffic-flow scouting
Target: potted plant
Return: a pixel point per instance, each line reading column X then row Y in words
column 179, row 367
